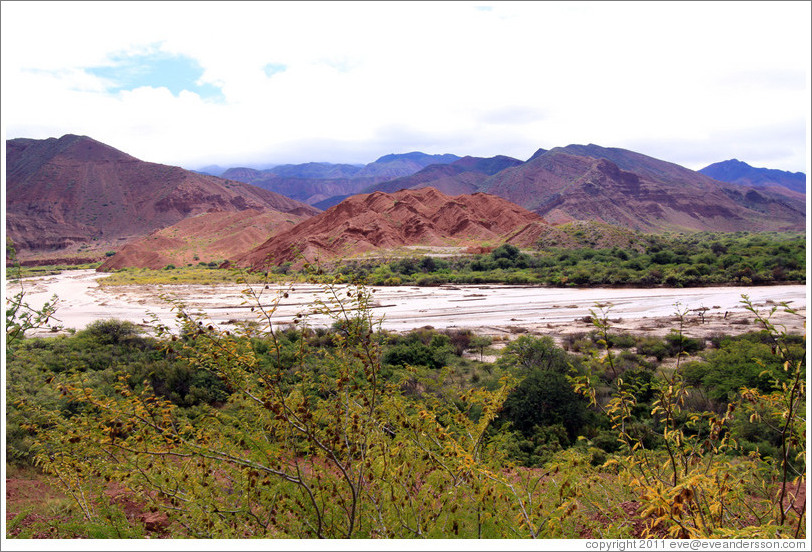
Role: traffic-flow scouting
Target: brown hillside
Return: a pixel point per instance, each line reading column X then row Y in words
column 638, row 192
column 209, row 237
column 385, row 221
column 76, row 193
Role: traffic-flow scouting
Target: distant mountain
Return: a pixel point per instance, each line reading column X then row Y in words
column 635, row 191
column 213, row 170
column 739, row 172
column 379, row 220
column 332, row 201
column 312, row 183
column 243, row 174
column 463, row 176
column 74, row 193
column 487, row 165
column 396, row 165
column 306, row 190
column 326, row 171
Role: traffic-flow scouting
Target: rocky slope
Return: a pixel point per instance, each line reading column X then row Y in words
column 206, row 238
column 387, row 221
column 74, row 193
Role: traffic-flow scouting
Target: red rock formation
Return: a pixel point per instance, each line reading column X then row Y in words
column 384, row 221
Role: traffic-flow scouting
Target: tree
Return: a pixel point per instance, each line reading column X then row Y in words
column 529, row 354
column 545, row 398
column 480, row 343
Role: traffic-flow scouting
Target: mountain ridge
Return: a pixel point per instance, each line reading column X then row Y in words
column 315, row 182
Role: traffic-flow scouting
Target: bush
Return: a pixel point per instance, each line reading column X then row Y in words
column 652, row 346
column 678, row 343
column 413, row 352
column 111, row 332
column 734, row 365
column 529, row 354
column 545, row 398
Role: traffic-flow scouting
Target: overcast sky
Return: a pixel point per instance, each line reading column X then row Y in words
column 198, row 83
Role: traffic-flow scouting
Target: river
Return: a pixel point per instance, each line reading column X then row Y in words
column 493, row 309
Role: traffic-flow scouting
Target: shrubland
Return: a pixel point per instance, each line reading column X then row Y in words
column 634, row 259
column 350, row 431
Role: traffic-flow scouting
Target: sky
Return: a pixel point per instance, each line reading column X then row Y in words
column 263, row 83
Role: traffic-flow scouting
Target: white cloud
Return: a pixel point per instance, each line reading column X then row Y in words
column 363, row 79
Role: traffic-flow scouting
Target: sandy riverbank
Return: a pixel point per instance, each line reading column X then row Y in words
column 490, row 309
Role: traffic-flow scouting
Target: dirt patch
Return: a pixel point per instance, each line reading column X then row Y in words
column 44, row 506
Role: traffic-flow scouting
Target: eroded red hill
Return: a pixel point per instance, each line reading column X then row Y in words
column 387, row 221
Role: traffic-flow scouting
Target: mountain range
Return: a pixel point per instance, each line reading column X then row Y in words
column 73, row 195
column 315, row 182
column 578, row 182
column 632, row 190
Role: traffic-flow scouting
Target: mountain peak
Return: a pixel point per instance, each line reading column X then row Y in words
column 418, row 157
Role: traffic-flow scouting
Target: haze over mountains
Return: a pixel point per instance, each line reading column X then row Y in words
column 73, row 195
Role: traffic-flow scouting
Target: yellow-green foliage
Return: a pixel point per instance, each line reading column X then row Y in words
column 693, row 487
column 316, row 446
column 314, row 443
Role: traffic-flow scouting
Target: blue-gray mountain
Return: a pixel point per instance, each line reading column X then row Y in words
column 316, row 182
column 739, row 172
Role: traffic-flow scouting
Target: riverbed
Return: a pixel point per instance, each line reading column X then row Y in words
column 487, row 309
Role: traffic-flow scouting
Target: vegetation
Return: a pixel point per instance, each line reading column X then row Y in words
column 48, row 270
column 350, row 431
column 642, row 260
column 673, row 260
